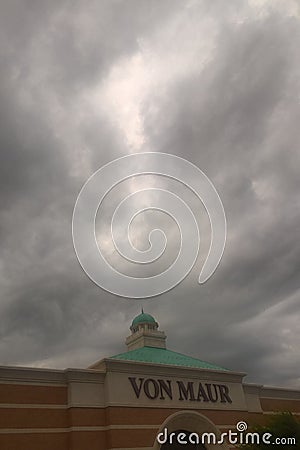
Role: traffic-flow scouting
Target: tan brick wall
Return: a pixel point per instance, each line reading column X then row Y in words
column 33, row 394
column 87, row 440
column 92, row 417
column 33, row 418
column 50, row 441
column 270, row 404
column 37, row 417
column 131, row 438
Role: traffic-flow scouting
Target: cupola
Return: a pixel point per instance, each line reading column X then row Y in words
column 145, row 333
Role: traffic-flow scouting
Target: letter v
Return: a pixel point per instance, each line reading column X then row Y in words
column 137, row 389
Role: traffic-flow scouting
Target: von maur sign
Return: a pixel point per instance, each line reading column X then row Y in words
column 180, row 390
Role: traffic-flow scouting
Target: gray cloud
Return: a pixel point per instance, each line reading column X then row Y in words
column 215, row 83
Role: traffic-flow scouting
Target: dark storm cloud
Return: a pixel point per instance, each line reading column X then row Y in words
column 215, row 83
column 237, row 119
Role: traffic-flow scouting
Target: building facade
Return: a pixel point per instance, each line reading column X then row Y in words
column 129, row 400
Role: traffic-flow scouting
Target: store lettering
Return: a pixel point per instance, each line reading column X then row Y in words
column 189, row 391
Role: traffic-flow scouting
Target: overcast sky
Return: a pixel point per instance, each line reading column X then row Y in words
column 216, row 82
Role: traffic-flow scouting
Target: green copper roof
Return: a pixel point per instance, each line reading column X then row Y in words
column 163, row 356
column 143, row 318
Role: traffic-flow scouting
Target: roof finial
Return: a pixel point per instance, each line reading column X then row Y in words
column 142, row 310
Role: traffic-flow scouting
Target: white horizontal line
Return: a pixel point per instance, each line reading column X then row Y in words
column 276, row 412
column 293, row 399
column 32, row 406
column 50, row 406
column 33, row 430
column 30, row 383
column 70, row 429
